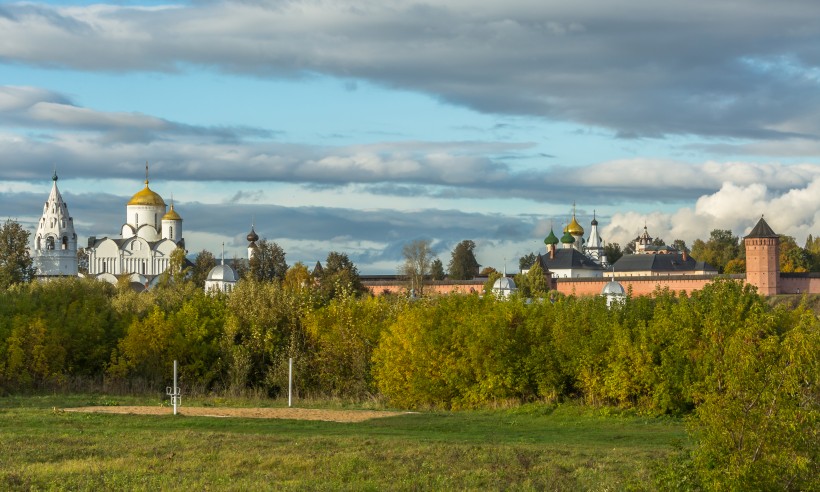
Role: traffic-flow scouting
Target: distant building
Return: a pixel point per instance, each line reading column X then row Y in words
column 651, row 260
column 763, row 258
column 150, row 234
column 55, row 242
column 504, row 287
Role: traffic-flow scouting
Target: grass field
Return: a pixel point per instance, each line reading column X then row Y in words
column 534, row 447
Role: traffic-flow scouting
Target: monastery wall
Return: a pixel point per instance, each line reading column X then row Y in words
column 441, row 287
column 639, row 285
column 790, row 283
column 799, row 283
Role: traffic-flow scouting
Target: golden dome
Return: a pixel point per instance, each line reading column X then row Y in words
column 147, row 197
column 574, row 227
column 172, row 214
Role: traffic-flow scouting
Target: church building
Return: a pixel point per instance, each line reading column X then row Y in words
column 150, row 234
column 55, row 242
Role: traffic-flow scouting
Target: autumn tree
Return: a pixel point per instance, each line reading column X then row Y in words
column 268, row 262
column 463, row 265
column 417, row 263
column 297, row 277
column 16, row 265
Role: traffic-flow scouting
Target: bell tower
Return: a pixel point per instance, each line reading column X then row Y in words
column 763, row 258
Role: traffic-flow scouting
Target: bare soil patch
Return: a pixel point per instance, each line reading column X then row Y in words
column 256, row 413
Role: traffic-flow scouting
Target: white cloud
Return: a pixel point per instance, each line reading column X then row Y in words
column 795, row 212
column 635, row 68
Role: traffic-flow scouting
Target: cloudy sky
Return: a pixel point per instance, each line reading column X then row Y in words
column 358, row 126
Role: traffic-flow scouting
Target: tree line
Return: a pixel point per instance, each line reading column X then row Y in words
column 744, row 372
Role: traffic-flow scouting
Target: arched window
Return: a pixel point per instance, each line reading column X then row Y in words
column 65, row 242
column 49, row 243
column 39, row 246
column 136, row 220
column 171, row 232
column 143, row 268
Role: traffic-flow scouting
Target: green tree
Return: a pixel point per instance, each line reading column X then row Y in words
column 82, row 261
column 340, row 277
column 417, row 263
column 203, row 264
column 268, row 262
column 492, row 276
column 793, row 258
column 813, row 248
column 735, row 265
column 526, row 261
column 680, row 245
column 437, row 270
column 718, row 250
column 463, row 265
column 613, row 252
column 537, row 282
column 16, row 265
column 757, row 422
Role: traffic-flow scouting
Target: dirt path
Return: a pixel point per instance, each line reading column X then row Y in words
column 256, row 413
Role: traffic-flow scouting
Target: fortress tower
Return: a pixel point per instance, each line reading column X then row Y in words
column 763, row 258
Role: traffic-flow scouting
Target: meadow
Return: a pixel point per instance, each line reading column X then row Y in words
column 529, row 447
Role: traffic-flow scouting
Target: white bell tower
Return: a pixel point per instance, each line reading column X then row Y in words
column 55, row 242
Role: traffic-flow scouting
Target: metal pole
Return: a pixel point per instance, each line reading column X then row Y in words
column 290, row 380
column 175, row 397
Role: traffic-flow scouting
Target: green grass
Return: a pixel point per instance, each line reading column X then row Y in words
column 534, row 447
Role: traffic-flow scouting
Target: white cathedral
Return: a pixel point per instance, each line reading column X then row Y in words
column 150, row 234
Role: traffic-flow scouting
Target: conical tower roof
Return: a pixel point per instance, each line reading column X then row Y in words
column 761, row 230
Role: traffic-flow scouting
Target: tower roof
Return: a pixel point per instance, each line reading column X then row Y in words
column 146, row 196
column 551, row 239
column 252, row 236
column 761, row 230
column 567, row 238
column 172, row 214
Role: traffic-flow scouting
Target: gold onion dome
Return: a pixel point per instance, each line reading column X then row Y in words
column 146, row 196
column 172, row 214
column 575, row 228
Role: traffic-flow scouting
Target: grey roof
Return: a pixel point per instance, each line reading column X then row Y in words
column 566, row 259
column 761, row 230
column 671, row 263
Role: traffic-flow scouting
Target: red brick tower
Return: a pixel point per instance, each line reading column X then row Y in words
column 763, row 258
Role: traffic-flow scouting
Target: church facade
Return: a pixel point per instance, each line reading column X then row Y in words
column 150, row 234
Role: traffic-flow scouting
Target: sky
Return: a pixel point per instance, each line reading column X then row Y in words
column 360, row 126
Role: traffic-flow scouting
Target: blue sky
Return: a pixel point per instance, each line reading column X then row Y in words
column 361, row 126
